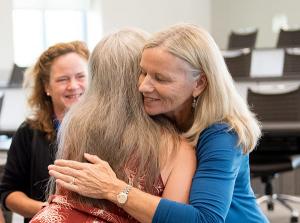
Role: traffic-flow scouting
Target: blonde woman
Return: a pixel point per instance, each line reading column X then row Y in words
column 184, row 78
column 110, row 122
column 57, row 81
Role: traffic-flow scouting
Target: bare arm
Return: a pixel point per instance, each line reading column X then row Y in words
column 177, row 182
column 97, row 180
column 140, row 205
column 20, row 203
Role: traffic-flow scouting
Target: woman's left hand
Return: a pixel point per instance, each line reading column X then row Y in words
column 95, row 179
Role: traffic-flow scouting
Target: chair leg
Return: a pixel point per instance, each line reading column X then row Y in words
column 282, row 199
column 289, row 198
column 295, row 213
column 267, row 199
column 262, row 199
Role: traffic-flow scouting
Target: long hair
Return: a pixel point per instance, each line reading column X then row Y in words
column 110, row 121
column 220, row 101
column 38, row 76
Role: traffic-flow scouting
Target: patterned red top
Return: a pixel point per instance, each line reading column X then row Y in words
column 63, row 209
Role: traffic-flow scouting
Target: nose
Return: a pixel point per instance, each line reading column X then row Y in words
column 146, row 85
column 73, row 84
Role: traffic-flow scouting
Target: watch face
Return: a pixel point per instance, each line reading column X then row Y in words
column 122, row 198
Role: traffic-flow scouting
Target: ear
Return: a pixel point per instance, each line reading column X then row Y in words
column 200, row 85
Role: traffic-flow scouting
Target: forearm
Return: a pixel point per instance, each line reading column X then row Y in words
column 20, row 203
column 139, row 205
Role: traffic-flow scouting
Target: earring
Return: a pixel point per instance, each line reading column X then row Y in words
column 194, row 103
column 48, row 94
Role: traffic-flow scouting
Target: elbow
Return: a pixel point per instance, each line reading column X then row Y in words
column 208, row 216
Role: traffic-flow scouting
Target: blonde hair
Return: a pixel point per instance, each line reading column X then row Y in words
column 38, row 76
column 220, row 101
column 109, row 121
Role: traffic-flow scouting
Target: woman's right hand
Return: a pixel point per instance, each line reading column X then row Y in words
column 95, row 179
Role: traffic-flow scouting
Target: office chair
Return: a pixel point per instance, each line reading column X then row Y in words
column 291, row 61
column 7, row 214
column 17, row 76
column 279, row 149
column 288, row 38
column 242, row 39
column 238, row 62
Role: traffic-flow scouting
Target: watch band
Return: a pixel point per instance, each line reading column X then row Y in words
column 123, row 195
column 127, row 189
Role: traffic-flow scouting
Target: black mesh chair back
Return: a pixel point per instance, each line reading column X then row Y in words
column 238, row 62
column 291, row 61
column 281, row 110
column 239, row 40
column 17, row 76
column 284, row 107
column 288, row 38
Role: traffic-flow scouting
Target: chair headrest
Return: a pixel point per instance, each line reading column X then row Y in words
column 274, row 89
column 235, row 53
column 245, row 31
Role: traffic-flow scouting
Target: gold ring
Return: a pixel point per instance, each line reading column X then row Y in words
column 73, row 181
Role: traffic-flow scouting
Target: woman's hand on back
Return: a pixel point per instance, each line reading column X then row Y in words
column 95, row 179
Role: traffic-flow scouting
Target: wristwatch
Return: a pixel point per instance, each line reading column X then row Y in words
column 123, row 195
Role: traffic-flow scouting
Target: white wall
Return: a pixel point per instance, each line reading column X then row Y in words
column 153, row 15
column 6, row 39
column 236, row 14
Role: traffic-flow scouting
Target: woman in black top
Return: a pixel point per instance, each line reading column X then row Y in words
column 57, row 80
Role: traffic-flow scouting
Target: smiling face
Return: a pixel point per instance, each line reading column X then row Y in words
column 167, row 84
column 68, row 80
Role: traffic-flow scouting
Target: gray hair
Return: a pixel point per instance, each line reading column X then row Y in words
column 109, row 120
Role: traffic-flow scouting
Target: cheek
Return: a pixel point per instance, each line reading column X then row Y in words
column 168, row 96
column 179, row 94
column 83, row 84
column 172, row 92
column 58, row 91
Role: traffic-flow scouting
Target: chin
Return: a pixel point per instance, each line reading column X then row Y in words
column 68, row 105
column 71, row 102
column 152, row 112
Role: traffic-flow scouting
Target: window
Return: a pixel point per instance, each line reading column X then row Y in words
column 64, row 25
column 37, row 26
column 27, row 34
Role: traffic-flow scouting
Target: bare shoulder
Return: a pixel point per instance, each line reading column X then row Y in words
column 181, row 170
column 185, row 145
column 184, row 157
column 185, row 150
